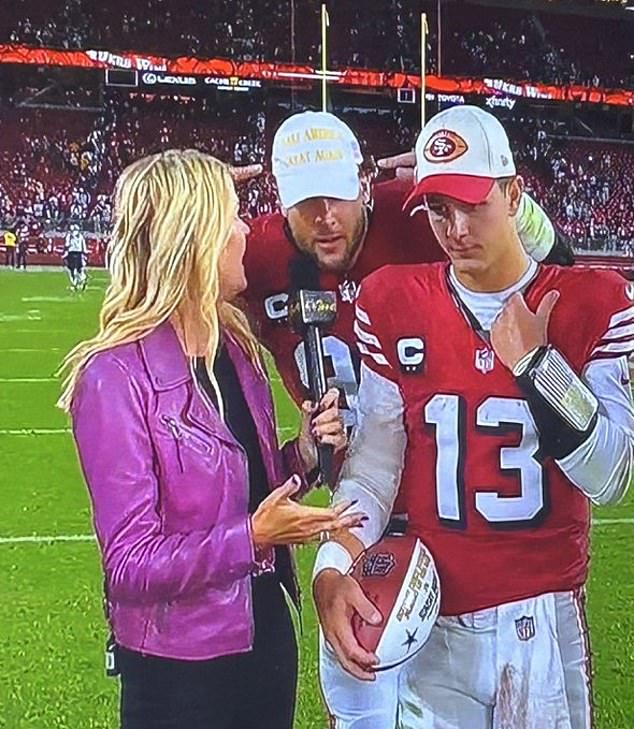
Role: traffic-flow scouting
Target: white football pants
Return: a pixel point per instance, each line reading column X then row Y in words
column 523, row 665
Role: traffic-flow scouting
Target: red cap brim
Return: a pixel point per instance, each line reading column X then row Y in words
column 465, row 188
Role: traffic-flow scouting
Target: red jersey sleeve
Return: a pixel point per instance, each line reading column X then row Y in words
column 594, row 319
column 613, row 335
column 372, row 324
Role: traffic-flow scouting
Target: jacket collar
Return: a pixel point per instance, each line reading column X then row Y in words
column 168, row 368
column 164, row 358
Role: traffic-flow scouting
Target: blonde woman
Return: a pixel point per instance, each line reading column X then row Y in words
column 173, row 421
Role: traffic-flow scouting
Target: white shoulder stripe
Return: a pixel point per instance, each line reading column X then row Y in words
column 362, row 315
column 623, row 347
column 378, row 358
column 621, row 316
column 620, row 331
column 366, row 336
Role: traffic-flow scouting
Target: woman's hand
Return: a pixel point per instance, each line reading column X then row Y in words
column 280, row 520
column 326, row 427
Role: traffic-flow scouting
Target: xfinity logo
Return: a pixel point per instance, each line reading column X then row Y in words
column 494, row 101
column 411, row 354
column 152, row 78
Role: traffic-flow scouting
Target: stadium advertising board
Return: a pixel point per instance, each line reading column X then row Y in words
column 251, row 71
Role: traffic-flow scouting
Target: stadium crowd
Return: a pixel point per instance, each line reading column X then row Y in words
column 475, row 39
column 59, row 167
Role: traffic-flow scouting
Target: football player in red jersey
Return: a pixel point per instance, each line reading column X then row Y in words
column 495, row 391
column 350, row 227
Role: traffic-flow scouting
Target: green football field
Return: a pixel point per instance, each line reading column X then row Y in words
column 51, row 623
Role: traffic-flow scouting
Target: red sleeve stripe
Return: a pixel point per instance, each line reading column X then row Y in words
column 362, row 316
column 378, row 358
column 618, row 340
column 366, row 336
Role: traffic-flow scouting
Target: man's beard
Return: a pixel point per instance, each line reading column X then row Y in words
column 352, row 250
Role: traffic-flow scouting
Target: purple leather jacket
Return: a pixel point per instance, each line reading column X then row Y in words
column 169, row 490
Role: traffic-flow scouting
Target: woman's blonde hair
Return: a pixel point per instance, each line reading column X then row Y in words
column 174, row 213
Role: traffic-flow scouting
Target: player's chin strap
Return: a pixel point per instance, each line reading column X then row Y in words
column 564, row 408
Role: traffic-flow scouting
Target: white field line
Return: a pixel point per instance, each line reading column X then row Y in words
column 61, row 538
column 34, row 431
column 38, row 331
column 48, row 299
column 57, row 431
column 27, row 349
column 8, row 318
column 35, row 539
column 611, row 522
column 27, row 379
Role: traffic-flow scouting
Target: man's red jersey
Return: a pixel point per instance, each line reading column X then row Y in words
column 392, row 237
column 503, row 522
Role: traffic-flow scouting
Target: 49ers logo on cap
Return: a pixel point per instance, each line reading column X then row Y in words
column 445, row 146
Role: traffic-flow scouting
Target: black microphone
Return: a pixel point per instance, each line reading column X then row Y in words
column 309, row 309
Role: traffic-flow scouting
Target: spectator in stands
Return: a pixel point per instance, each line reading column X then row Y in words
column 516, row 43
column 38, row 179
column 189, row 512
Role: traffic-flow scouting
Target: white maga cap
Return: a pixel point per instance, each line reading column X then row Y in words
column 315, row 154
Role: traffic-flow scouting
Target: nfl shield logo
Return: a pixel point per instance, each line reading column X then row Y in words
column 525, row 628
column 484, row 360
column 348, row 291
column 378, row 565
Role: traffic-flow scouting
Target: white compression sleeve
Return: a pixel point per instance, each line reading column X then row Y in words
column 601, row 467
column 372, row 470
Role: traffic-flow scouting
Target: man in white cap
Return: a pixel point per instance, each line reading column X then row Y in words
column 350, row 227
column 501, row 405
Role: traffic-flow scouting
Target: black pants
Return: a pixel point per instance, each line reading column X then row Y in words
column 254, row 690
column 74, row 262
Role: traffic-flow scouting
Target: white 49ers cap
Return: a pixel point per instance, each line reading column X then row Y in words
column 315, row 154
column 460, row 153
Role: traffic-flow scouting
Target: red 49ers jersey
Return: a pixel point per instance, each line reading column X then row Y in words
column 392, row 237
column 503, row 522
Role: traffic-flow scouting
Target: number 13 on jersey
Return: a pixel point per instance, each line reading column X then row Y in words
column 447, row 414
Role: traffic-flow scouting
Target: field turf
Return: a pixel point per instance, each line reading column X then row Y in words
column 52, row 629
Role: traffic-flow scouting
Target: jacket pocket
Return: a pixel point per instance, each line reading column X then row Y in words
column 184, row 438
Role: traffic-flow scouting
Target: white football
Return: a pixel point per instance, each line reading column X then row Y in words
column 399, row 576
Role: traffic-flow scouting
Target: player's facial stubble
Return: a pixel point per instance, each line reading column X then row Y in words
column 329, row 230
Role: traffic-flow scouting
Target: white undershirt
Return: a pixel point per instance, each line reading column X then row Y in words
column 486, row 306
